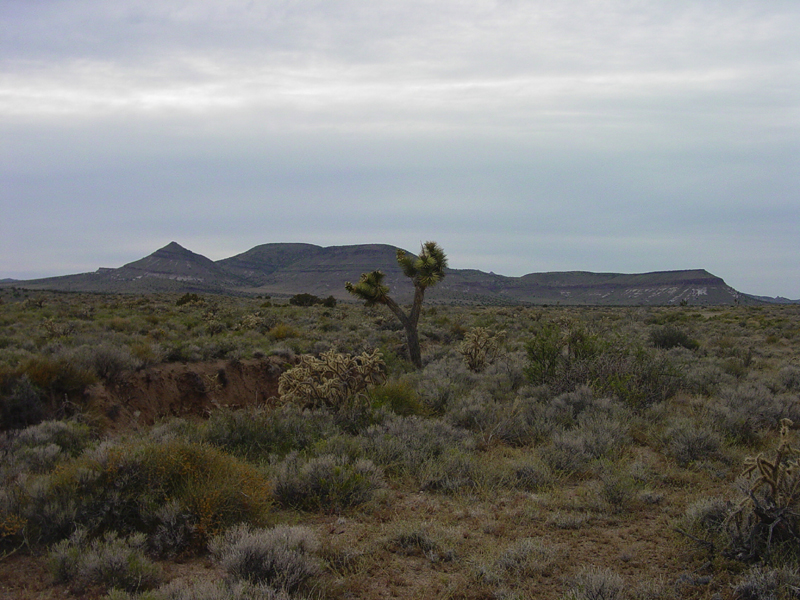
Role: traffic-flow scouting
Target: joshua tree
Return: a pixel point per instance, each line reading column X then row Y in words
column 425, row 271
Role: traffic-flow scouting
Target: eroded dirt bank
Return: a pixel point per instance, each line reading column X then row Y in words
column 184, row 390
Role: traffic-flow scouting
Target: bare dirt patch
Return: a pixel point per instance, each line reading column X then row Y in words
column 184, row 390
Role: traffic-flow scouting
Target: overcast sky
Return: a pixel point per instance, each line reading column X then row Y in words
column 523, row 136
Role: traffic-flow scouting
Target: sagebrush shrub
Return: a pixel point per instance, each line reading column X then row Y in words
column 688, row 443
column 108, row 562
column 453, row 472
column 327, row 483
column 283, row 557
column 742, row 413
column 71, row 437
column 401, row 445
column 174, row 530
column 257, row 434
column 789, row 378
column 443, row 380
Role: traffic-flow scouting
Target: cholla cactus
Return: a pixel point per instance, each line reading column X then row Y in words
column 771, row 512
column 480, row 347
column 332, row 379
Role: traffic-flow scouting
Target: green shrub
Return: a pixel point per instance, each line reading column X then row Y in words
column 544, row 355
column 283, row 331
column 398, row 396
column 283, row 557
column 567, row 361
column 669, row 336
column 23, row 406
column 123, row 487
column 110, row 361
column 304, row 300
column 58, row 377
column 189, row 298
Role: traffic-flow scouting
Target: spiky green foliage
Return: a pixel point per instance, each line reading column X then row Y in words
column 425, row 270
column 480, row 347
column 769, row 517
column 332, row 379
column 370, row 288
column 428, row 268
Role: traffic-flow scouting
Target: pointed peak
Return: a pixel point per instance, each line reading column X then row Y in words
column 174, row 247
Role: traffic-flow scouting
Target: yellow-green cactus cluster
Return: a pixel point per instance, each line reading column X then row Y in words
column 332, row 379
column 480, row 347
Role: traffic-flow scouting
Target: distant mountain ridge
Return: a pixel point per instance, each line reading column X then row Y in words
column 284, row 269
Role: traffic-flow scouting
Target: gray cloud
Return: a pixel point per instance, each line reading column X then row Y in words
column 595, row 135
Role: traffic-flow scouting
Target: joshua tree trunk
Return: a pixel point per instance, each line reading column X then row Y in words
column 425, row 271
column 410, row 323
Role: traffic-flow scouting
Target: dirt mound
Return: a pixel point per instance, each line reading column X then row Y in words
column 185, row 390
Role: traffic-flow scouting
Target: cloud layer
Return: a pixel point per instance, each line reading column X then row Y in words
column 529, row 136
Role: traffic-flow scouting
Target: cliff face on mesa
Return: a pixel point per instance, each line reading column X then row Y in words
column 282, row 270
column 577, row 287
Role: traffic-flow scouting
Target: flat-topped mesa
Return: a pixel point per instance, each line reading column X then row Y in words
column 286, row 269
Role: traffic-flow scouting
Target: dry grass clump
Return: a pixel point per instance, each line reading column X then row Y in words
column 762, row 583
column 520, row 560
column 206, row 590
column 593, row 583
column 422, row 539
